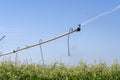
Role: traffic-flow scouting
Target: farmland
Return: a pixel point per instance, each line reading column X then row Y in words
column 10, row 70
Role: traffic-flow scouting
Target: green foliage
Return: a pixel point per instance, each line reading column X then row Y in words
column 58, row 71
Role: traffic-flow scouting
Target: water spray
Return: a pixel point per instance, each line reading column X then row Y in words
column 100, row 15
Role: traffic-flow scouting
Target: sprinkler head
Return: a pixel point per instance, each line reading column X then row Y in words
column 79, row 27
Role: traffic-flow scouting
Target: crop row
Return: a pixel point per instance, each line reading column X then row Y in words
column 59, row 71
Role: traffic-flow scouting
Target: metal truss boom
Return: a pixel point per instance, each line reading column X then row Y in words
column 43, row 42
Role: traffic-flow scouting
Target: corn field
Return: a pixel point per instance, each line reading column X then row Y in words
column 58, row 71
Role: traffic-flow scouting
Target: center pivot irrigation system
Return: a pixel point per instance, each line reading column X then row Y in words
column 43, row 42
column 68, row 33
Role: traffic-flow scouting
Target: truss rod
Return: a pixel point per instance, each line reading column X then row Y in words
column 27, row 47
column 2, row 38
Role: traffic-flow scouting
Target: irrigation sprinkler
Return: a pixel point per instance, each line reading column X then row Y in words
column 40, row 41
column 68, row 40
column 68, row 33
column 16, row 57
column 43, row 42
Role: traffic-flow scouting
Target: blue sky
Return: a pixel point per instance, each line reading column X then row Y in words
column 25, row 22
